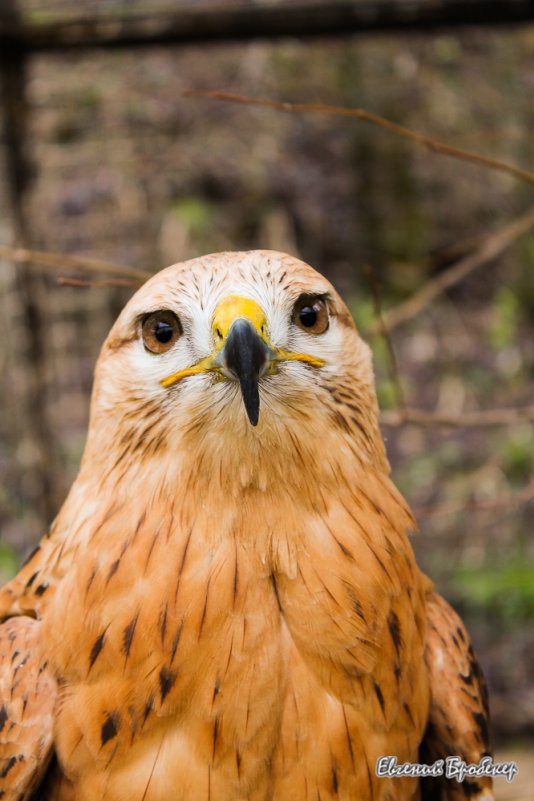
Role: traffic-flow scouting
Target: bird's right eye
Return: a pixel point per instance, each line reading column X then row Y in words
column 160, row 331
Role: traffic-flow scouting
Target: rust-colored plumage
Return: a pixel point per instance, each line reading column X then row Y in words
column 228, row 602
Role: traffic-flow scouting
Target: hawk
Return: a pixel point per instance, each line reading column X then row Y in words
column 227, row 606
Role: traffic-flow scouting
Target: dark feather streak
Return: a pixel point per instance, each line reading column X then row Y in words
column 394, row 630
column 95, row 650
column 176, row 641
column 163, row 625
column 110, row 727
column 166, row 682
column 113, row 569
column 3, row 716
column 335, row 784
column 31, row 579
column 128, row 636
column 12, row 761
column 215, row 735
column 379, row 695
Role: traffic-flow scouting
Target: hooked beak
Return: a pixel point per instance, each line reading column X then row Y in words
column 245, row 356
column 242, row 351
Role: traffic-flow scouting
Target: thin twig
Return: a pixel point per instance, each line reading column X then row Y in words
column 361, row 114
column 479, row 419
column 503, row 500
column 96, row 284
column 59, row 261
column 394, row 374
column 491, row 247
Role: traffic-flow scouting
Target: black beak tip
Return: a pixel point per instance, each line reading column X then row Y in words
column 246, row 354
column 253, row 416
column 251, row 397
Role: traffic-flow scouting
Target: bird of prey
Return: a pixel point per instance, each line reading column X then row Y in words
column 227, row 606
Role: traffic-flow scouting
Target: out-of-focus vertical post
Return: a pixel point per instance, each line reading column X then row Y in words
column 26, row 331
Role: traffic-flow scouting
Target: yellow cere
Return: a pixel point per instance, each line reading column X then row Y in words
column 229, row 310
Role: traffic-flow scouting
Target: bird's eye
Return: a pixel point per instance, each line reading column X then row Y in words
column 311, row 314
column 160, row 330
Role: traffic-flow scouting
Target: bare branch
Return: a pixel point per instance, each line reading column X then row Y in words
column 491, row 247
column 361, row 114
column 96, row 284
column 59, row 261
column 477, row 419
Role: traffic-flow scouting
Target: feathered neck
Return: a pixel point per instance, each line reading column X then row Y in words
column 217, row 478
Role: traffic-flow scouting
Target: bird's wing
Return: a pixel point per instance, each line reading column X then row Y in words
column 30, row 590
column 27, row 700
column 458, row 723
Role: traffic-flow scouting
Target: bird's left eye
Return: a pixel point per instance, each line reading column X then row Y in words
column 311, row 314
column 160, row 330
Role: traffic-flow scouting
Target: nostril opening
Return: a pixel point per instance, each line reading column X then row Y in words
column 218, row 332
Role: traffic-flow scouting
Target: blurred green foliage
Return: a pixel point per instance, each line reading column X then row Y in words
column 362, row 310
column 196, row 214
column 518, row 454
column 505, row 317
column 9, row 562
column 505, row 591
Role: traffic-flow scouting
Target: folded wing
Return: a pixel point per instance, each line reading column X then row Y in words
column 27, row 700
column 458, row 722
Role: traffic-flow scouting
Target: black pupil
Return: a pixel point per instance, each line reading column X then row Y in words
column 308, row 316
column 163, row 332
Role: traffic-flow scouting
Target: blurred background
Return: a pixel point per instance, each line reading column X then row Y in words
column 105, row 158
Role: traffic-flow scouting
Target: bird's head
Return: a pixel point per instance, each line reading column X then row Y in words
column 235, row 354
